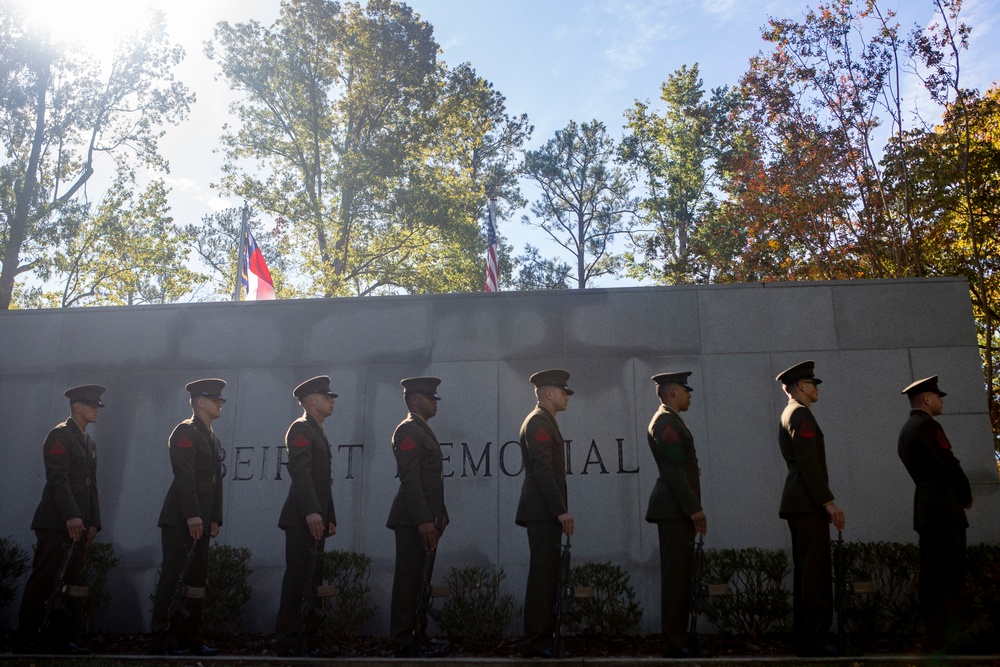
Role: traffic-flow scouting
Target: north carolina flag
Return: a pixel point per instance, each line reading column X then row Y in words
column 254, row 276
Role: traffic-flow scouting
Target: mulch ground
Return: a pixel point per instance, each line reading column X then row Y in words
column 717, row 646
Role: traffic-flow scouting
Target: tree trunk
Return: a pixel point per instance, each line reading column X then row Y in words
column 18, row 225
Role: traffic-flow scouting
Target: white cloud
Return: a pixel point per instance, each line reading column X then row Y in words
column 722, row 9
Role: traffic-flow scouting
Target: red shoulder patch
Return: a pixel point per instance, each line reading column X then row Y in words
column 807, row 429
column 669, row 435
column 942, row 440
column 300, row 441
column 541, row 435
column 185, row 442
column 57, row 448
column 407, row 444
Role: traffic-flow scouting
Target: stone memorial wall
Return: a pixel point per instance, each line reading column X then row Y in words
column 869, row 339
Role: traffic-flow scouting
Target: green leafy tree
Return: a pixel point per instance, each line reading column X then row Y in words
column 585, row 198
column 378, row 155
column 537, row 273
column 59, row 113
column 671, row 153
column 126, row 252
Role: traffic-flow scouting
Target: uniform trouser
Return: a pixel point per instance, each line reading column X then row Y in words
column 50, row 550
column 812, row 580
column 186, row 632
column 676, row 563
column 299, row 546
column 941, row 585
column 406, row 583
column 543, row 580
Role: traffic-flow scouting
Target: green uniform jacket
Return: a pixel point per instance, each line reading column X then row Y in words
column 543, row 492
column 807, row 487
column 70, row 480
column 420, row 498
column 943, row 490
column 309, row 465
column 197, row 486
column 677, row 492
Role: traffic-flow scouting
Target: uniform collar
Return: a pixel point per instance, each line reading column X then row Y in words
column 548, row 413
column 200, row 425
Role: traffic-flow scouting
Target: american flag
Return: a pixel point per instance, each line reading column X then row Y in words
column 491, row 249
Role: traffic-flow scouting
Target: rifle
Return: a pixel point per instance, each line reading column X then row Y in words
column 564, row 593
column 58, row 588
column 840, row 592
column 701, row 591
column 699, row 596
column 181, row 592
column 311, row 598
column 425, row 603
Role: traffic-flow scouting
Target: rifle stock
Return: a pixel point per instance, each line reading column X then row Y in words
column 58, row 588
column 564, row 593
column 310, row 604
column 699, row 595
column 176, row 605
column 424, row 606
column 840, row 593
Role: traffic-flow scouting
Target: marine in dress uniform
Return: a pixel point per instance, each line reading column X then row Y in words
column 675, row 506
column 191, row 511
column 69, row 511
column 308, row 516
column 542, row 508
column 418, row 515
column 807, row 505
column 942, row 495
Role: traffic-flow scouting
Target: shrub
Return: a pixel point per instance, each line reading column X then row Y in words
column 613, row 610
column 98, row 561
column 352, row 607
column 13, row 564
column 892, row 568
column 475, row 614
column 229, row 589
column 757, row 600
column 983, row 577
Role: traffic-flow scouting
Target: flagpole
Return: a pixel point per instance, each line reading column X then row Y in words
column 244, row 224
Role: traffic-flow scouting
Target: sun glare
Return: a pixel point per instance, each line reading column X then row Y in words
column 95, row 26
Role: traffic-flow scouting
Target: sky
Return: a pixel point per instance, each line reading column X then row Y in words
column 556, row 60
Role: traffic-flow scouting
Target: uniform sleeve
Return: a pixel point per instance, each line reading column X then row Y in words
column 217, row 507
column 56, row 456
column 935, row 445
column 540, row 440
column 300, row 459
column 183, row 455
column 406, row 445
column 805, row 448
column 95, row 500
column 672, row 457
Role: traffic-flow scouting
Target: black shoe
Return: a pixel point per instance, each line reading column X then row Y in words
column 407, row 651
column 205, row 650
column 545, row 654
column 72, row 648
column 323, row 652
column 828, row 651
column 677, row 653
column 179, row 650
